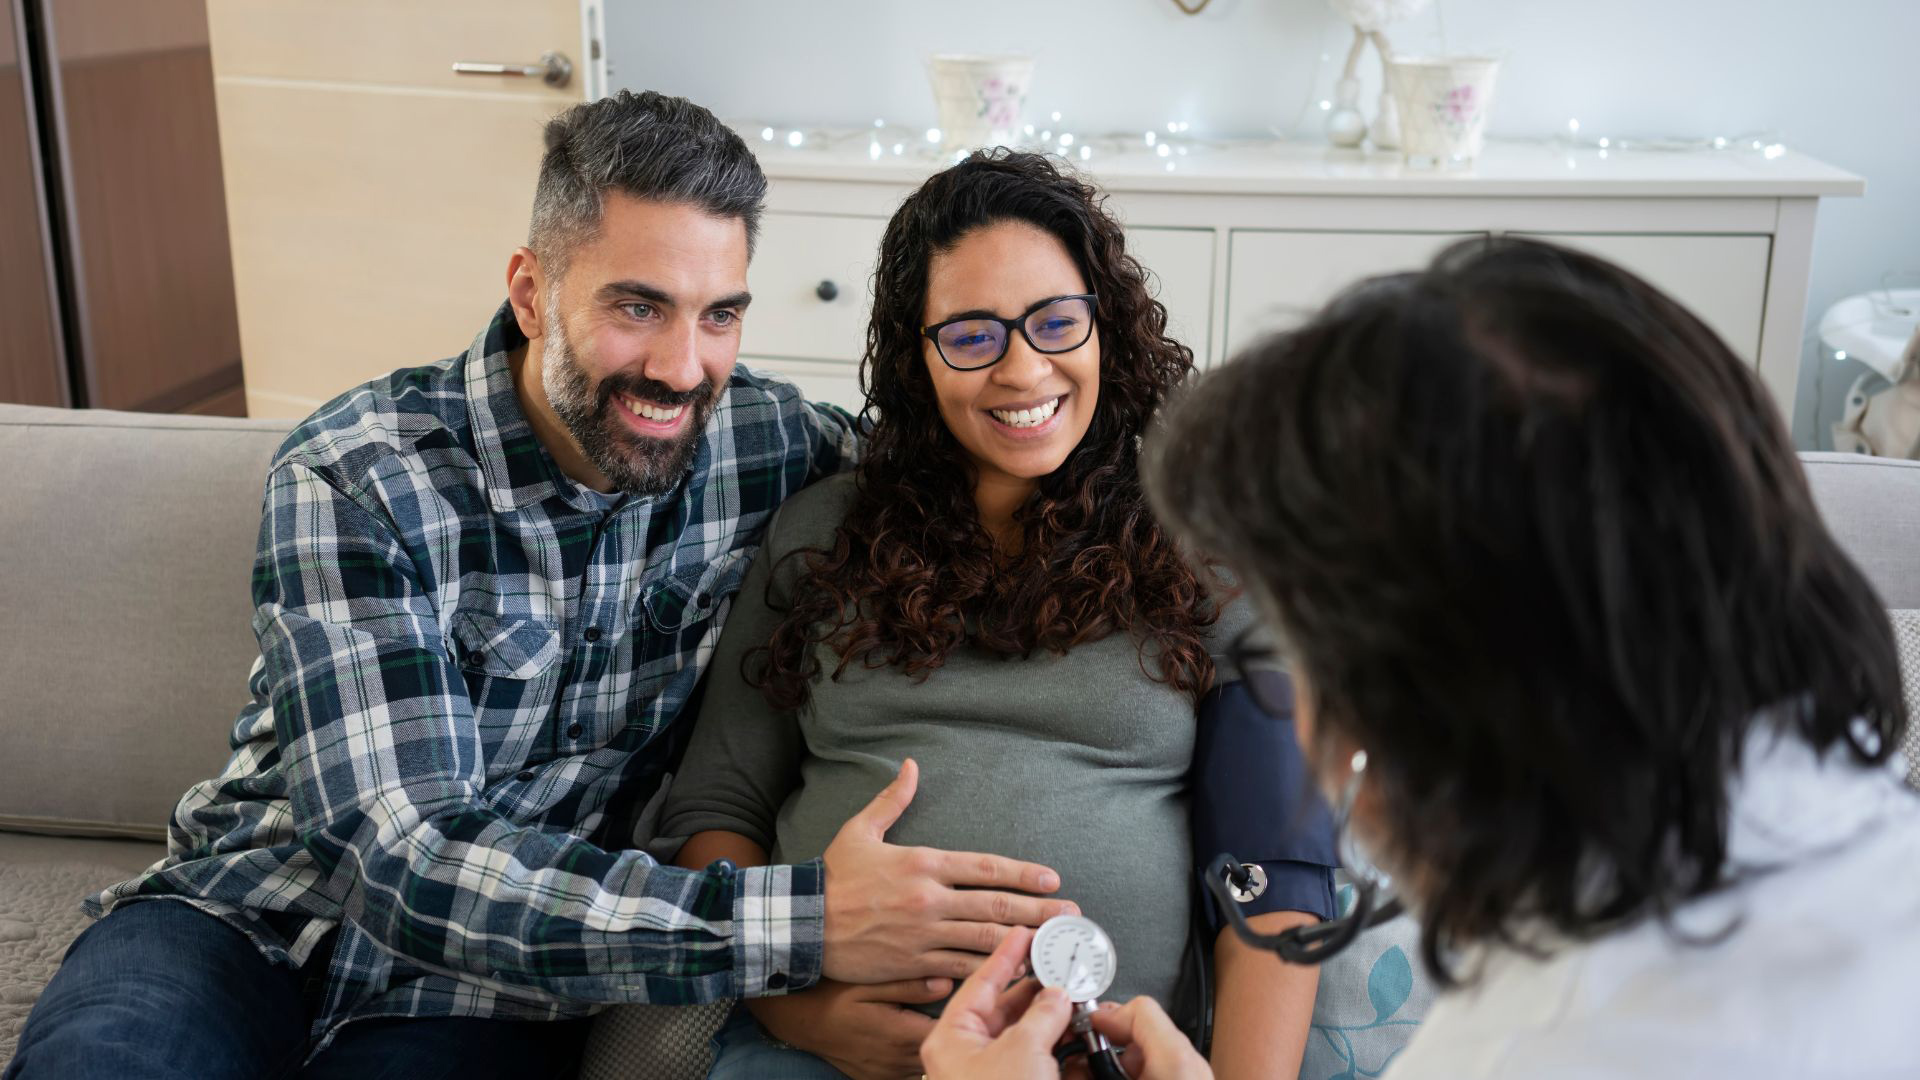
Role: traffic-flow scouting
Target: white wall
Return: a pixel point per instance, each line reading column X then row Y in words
column 1832, row 79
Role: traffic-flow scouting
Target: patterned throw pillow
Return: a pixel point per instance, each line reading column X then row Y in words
column 652, row 1042
column 1906, row 638
column 1372, row 997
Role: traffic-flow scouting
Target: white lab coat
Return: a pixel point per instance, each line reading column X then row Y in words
column 1821, row 977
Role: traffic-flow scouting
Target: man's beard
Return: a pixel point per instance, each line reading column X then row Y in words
column 636, row 464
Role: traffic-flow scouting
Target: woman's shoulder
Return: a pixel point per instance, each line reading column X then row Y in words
column 1232, row 607
column 808, row 519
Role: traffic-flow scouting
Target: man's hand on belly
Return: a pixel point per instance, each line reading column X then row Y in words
column 911, row 912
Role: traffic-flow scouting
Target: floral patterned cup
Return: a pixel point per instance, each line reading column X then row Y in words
column 1443, row 103
column 980, row 98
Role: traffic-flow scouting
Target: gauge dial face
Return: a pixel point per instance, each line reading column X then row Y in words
column 1074, row 954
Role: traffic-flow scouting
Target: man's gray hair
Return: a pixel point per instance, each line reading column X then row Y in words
column 646, row 145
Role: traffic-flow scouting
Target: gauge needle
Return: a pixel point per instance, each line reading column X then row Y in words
column 1075, row 972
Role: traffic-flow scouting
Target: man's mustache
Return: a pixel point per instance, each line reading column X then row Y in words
column 652, row 390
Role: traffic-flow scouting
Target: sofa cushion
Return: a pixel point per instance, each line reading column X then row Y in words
column 42, row 881
column 126, row 549
column 1906, row 636
column 1872, row 507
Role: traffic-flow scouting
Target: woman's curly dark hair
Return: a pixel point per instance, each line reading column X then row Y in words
column 912, row 573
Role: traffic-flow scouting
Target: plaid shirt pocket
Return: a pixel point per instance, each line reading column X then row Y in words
column 684, row 600
column 509, row 664
column 504, row 646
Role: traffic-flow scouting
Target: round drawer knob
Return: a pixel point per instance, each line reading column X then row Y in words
column 827, row 291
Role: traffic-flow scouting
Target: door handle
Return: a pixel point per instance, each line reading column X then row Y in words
column 554, row 68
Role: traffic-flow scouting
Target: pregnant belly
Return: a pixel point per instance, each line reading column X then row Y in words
column 1117, row 837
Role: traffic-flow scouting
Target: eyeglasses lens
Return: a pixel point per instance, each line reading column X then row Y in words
column 1061, row 325
column 973, row 343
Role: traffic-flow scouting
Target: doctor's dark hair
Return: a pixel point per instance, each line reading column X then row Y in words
column 912, row 573
column 1539, row 543
column 646, row 145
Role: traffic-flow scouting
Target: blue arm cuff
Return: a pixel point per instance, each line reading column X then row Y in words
column 1252, row 798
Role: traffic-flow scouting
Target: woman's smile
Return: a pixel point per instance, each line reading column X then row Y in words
column 1033, row 419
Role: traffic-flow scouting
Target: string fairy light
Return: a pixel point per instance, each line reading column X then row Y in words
column 882, row 138
column 1173, row 139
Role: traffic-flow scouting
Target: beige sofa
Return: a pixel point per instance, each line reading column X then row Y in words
column 126, row 545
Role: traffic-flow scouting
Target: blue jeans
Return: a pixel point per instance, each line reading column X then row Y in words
column 742, row 1050
column 159, row 989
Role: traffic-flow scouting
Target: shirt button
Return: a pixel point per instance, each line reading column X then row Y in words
column 777, row 981
column 525, row 775
column 574, row 730
column 476, row 658
column 593, row 633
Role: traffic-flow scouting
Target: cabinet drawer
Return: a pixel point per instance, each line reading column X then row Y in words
column 831, row 381
column 1722, row 279
column 1181, row 264
column 1277, row 279
column 798, row 257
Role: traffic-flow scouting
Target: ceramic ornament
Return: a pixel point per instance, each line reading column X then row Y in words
column 1370, row 19
column 980, row 98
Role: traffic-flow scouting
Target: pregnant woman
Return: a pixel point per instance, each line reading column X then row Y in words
column 989, row 595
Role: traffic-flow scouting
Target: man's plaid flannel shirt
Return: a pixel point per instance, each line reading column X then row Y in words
column 468, row 667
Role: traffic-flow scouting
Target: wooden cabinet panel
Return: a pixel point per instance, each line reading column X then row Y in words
column 1277, row 279
column 1723, row 279
column 1181, row 262
column 802, row 259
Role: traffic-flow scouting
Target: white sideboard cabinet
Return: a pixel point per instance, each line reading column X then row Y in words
column 1245, row 241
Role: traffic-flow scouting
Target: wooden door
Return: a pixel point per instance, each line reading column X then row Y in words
column 33, row 359
column 375, row 194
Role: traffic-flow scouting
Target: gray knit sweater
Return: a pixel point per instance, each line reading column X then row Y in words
column 1078, row 762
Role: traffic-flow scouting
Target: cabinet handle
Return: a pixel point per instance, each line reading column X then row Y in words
column 827, row 291
column 554, row 68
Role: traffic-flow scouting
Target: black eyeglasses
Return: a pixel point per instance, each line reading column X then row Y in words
column 1057, row 324
column 1263, row 671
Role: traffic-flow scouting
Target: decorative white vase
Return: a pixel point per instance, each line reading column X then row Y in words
column 980, row 98
column 1346, row 127
column 1386, row 123
column 1442, row 104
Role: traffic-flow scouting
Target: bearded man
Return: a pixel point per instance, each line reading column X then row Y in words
column 485, row 592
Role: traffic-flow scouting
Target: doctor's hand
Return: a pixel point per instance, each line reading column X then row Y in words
column 1155, row 1049
column 912, row 912
column 992, row 1029
column 1011, row 1032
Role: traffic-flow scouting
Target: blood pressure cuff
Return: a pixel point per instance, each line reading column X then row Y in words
column 1252, row 798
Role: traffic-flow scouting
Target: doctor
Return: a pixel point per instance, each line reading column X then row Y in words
column 1608, row 699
